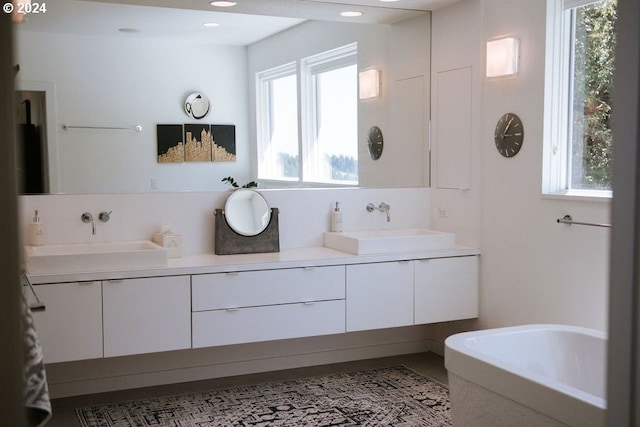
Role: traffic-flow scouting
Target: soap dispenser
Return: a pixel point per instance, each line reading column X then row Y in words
column 336, row 218
column 36, row 231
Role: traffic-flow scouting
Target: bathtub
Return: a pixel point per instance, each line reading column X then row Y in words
column 532, row 375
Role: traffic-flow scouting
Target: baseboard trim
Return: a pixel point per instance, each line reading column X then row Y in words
column 84, row 386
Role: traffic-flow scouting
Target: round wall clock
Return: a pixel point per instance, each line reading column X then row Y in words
column 509, row 135
column 375, row 142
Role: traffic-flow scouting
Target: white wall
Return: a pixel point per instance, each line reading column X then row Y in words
column 532, row 269
column 128, row 81
column 305, row 214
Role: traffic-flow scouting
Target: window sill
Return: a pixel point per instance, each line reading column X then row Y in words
column 581, row 195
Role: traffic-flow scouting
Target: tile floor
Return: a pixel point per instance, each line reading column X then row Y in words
column 429, row 364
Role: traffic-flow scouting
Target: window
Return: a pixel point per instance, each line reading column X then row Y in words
column 313, row 140
column 579, row 84
column 278, row 124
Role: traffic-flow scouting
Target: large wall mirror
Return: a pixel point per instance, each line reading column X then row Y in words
column 99, row 76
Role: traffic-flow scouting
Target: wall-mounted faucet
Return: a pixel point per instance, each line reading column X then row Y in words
column 88, row 218
column 382, row 207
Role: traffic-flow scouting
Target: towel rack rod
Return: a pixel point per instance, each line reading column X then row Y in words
column 38, row 305
column 567, row 219
column 137, row 128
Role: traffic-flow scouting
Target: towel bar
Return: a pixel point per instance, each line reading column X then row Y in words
column 567, row 219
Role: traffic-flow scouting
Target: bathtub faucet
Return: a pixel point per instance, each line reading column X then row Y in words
column 382, row 207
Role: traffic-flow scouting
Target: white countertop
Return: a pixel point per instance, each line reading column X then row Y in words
column 287, row 258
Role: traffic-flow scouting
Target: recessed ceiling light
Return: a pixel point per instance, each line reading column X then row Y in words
column 223, row 3
column 128, row 30
column 211, row 24
column 351, row 14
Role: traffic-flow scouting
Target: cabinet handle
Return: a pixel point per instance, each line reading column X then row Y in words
column 309, row 302
column 309, row 268
column 232, row 273
column 115, row 281
column 231, row 309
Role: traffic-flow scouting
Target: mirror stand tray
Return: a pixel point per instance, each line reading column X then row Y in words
column 228, row 242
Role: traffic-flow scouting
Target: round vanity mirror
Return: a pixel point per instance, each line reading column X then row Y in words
column 247, row 212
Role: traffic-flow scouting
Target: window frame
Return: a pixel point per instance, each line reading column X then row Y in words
column 559, row 92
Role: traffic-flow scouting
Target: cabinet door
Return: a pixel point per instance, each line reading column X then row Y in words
column 70, row 328
column 379, row 295
column 146, row 315
column 446, row 289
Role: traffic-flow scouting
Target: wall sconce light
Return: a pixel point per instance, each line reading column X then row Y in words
column 369, row 84
column 503, row 57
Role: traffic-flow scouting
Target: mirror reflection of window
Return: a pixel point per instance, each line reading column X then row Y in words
column 278, row 124
column 336, row 121
column 322, row 146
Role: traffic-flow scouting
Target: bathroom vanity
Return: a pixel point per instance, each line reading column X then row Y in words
column 212, row 300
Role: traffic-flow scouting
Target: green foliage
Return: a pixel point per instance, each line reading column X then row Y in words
column 234, row 184
column 593, row 87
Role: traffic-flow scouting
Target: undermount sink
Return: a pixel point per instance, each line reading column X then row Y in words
column 389, row 241
column 87, row 257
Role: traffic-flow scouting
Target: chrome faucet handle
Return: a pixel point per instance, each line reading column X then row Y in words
column 87, row 217
column 104, row 216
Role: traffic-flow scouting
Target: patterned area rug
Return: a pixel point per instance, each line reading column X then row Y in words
column 394, row 396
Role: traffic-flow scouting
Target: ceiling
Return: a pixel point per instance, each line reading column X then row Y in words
column 243, row 24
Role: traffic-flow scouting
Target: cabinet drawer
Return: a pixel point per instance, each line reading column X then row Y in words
column 235, row 326
column 266, row 287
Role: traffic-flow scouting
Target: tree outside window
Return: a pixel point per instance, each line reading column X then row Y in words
column 593, row 69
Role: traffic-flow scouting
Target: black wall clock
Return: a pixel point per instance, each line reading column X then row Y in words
column 375, row 142
column 509, row 135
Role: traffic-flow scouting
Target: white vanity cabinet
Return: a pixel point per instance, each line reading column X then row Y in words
column 146, row 315
column 446, row 289
column 402, row 293
column 379, row 295
column 109, row 318
column 252, row 306
column 70, row 328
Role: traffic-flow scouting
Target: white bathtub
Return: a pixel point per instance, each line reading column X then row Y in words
column 532, row 375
